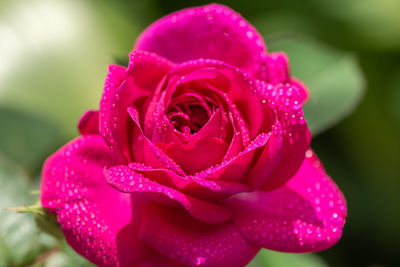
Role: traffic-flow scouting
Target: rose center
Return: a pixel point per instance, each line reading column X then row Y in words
column 189, row 118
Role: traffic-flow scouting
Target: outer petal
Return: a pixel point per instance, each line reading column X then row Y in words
column 305, row 215
column 160, row 261
column 126, row 180
column 89, row 122
column 287, row 101
column 73, row 186
column 124, row 88
column 110, row 127
column 212, row 31
column 176, row 235
column 278, row 72
column 278, row 68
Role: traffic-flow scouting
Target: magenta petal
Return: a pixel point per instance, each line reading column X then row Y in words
column 177, row 236
column 147, row 69
column 198, row 155
column 149, row 152
column 278, row 68
column 287, row 101
column 278, row 72
column 212, row 31
column 266, row 159
column 73, row 186
column 159, row 261
column 111, row 128
column 163, row 131
column 305, row 215
column 89, row 122
column 126, row 87
column 162, row 176
column 238, row 90
column 211, row 190
column 224, row 188
column 211, row 129
column 236, row 168
column 126, row 180
column 302, row 89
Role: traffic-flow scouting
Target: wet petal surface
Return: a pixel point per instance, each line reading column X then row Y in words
column 73, row 186
column 126, row 180
column 305, row 215
column 178, row 236
column 212, row 31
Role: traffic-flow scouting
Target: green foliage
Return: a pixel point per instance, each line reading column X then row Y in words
column 368, row 23
column 20, row 240
column 59, row 72
column 28, row 139
column 269, row 258
column 64, row 256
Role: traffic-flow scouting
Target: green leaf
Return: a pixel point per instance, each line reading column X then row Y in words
column 393, row 97
column 367, row 23
column 44, row 219
column 269, row 258
column 286, row 20
column 27, row 139
column 66, row 257
column 333, row 77
column 20, row 240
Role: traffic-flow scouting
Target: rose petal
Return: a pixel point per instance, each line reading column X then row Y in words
column 126, row 180
column 266, row 159
column 165, row 177
column 287, row 101
column 124, row 88
column 210, row 190
column 277, row 68
column 235, row 168
column 236, row 86
column 212, row 31
column 196, row 156
column 240, row 137
column 177, row 236
column 110, row 127
column 278, row 72
column 89, row 122
column 147, row 69
column 160, row 261
column 187, row 88
column 147, row 152
column 73, row 186
column 211, row 129
column 214, row 190
column 305, row 215
column 301, row 88
column 164, row 131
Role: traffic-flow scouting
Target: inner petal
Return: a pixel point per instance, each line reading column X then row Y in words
column 196, row 156
column 198, row 118
column 189, row 112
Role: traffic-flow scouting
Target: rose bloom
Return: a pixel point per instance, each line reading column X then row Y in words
column 198, row 155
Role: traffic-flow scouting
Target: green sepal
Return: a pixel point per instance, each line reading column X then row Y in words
column 44, row 219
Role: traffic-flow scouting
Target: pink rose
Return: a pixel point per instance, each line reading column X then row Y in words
column 199, row 154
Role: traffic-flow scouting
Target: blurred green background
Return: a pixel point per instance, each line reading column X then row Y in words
column 54, row 57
